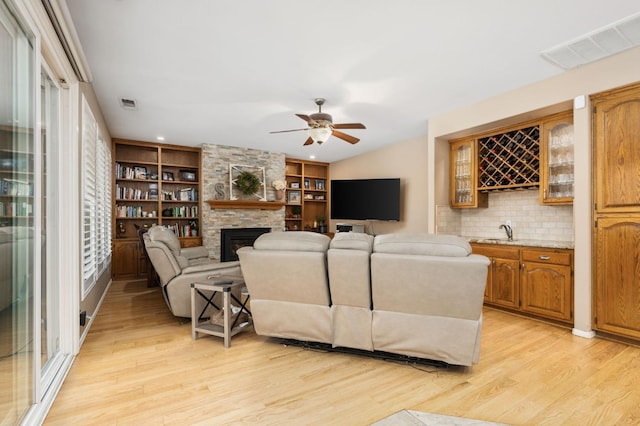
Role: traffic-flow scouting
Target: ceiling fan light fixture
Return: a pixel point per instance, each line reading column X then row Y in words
column 320, row 134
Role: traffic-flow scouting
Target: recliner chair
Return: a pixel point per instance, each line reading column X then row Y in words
column 178, row 267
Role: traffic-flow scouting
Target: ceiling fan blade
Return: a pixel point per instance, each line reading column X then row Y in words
column 345, row 137
column 307, row 118
column 309, row 141
column 285, row 131
column 349, row 126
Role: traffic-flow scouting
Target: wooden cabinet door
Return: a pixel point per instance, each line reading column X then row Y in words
column 126, row 257
column 505, row 287
column 546, row 290
column 498, row 255
column 617, row 291
column 617, row 154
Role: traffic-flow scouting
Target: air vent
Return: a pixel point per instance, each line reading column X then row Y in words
column 128, row 103
column 606, row 41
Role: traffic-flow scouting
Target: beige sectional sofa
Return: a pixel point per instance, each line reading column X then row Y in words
column 417, row 295
column 179, row 267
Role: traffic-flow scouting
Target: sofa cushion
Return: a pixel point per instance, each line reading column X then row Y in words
column 292, row 241
column 422, row 244
column 352, row 241
column 166, row 236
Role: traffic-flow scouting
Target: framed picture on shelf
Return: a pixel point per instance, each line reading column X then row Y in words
column 320, row 184
column 307, row 184
column 295, row 185
column 293, row 197
column 188, row 175
column 139, row 172
column 167, row 176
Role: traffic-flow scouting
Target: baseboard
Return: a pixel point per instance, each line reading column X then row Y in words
column 581, row 333
column 91, row 317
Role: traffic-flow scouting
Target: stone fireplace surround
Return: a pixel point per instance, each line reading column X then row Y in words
column 215, row 170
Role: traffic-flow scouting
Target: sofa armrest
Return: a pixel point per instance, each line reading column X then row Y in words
column 215, row 269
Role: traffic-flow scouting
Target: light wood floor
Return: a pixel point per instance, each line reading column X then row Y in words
column 140, row 366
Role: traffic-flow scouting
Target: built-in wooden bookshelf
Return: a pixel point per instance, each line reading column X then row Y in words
column 306, row 195
column 154, row 184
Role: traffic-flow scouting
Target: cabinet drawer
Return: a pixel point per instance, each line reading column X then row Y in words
column 501, row 252
column 540, row 256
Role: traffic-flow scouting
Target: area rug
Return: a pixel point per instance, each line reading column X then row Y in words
column 419, row 418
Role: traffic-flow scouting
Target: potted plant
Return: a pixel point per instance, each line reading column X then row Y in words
column 279, row 186
column 322, row 227
column 193, row 226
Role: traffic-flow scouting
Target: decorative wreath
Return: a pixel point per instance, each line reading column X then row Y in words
column 248, row 183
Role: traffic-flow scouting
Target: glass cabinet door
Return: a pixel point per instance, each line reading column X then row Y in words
column 557, row 161
column 463, row 175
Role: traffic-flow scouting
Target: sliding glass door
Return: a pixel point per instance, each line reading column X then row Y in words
column 30, row 321
column 50, row 357
column 17, row 179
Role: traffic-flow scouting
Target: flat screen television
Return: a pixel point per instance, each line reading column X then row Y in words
column 366, row 199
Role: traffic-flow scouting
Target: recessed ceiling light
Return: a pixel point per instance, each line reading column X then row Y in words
column 312, row 157
column 160, row 138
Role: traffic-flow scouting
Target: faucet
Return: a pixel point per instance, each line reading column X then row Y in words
column 508, row 230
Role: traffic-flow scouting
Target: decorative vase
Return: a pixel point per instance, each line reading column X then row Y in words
column 279, row 194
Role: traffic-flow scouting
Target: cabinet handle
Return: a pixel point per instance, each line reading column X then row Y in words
column 544, row 257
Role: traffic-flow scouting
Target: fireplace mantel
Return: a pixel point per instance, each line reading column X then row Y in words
column 245, row 204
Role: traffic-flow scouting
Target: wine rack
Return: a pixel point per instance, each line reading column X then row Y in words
column 509, row 160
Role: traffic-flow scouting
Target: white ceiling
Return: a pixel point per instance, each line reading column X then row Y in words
column 229, row 72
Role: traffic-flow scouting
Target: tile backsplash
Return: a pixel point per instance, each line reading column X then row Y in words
column 529, row 219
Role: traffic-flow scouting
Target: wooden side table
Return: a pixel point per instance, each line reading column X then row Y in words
column 224, row 285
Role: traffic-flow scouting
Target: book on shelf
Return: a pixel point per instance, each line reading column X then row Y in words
column 133, row 172
column 183, row 231
column 153, row 191
column 184, row 211
column 14, row 208
column 186, row 194
column 16, row 187
column 126, row 193
column 133, row 211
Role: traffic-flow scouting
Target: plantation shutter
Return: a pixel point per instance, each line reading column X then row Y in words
column 89, row 139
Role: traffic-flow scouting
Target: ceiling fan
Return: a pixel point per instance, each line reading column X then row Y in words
column 321, row 127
